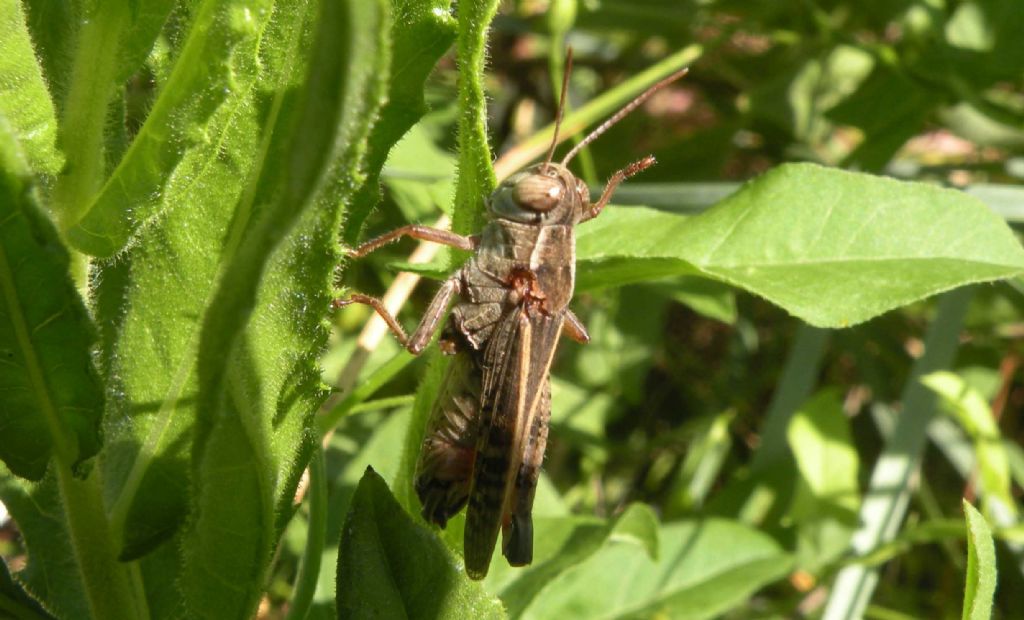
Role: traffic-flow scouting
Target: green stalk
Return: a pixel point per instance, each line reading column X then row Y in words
column 799, row 377
column 85, row 109
column 309, row 569
column 112, row 592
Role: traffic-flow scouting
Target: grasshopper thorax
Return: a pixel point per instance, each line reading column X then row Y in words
column 546, row 193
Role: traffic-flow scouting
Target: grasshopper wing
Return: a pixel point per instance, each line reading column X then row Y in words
column 445, row 463
column 514, row 407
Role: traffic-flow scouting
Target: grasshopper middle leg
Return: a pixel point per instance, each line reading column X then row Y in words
column 428, row 324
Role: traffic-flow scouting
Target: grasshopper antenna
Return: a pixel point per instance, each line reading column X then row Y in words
column 618, row 116
column 561, row 107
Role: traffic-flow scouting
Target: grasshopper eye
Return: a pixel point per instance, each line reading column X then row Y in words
column 538, row 192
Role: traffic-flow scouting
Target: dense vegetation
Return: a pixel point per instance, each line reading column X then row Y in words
column 802, row 379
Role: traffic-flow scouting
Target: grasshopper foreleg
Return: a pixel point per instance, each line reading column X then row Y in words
column 423, row 233
column 609, row 188
column 428, row 324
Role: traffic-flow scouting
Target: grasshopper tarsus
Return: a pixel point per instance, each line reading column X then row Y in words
column 416, row 231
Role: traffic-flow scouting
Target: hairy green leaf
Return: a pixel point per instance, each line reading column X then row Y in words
column 390, row 566
column 216, row 67
column 981, row 566
column 421, row 31
column 831, row 247
column 151, row 299
column 258, row 382
column 24, row 100
column 51, row 400
column 51, row 574
column 14, row 600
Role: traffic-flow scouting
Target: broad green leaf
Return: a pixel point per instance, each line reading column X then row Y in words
column 391, row 566
column 704, row 568
column 370, row 440
column 822, row 444
column 831, row 247
column 562, row 543
column 215, row 69
column 422, row 31
column 151, row 299
column 51, row 400
column 51, row 574
column 971, row 410
column 258, row 380
column 476, row 177
column 24, row 100
column 981, row 567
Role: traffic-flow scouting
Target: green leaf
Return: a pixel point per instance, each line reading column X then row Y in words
column 704, row 569
column 820, row 438
column 152, row 298
column 476, row 178
column 24, row 100
column 638, row 525
column 971, row 410
column 390, row 566
column 831, row 247
column 981, row 567
column 214, row 71
column 51, row 400
column 258, row 382
column 422, row 32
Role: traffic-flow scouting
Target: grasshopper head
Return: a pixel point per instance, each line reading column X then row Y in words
column 542, row 194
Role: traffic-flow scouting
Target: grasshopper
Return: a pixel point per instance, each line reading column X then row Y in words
column 488, row 429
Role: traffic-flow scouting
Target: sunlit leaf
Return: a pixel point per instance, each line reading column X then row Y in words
column 834, row 248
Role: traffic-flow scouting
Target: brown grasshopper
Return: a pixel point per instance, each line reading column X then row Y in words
column 486, row 435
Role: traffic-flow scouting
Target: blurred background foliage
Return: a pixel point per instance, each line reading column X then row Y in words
column 668, row 403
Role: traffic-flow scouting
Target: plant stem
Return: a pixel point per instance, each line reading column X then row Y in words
column 85, row 109
column 111, row 591
column 309, row 569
